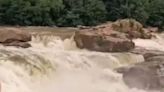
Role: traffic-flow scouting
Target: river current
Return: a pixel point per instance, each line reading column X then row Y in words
column 55, row 65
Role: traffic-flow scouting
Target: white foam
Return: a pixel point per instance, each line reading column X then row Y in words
column 53, row 65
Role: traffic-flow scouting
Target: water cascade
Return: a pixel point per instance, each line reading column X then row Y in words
column 55, row 65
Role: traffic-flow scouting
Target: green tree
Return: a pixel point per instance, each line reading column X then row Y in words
column 80, row 12
column 118, row 9
column 83, row 12
column 12, row 11
column 156, row 12
column 94, row 12
column 29, row 12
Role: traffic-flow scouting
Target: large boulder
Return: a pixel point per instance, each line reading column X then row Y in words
column 104, row 41
column 14, row 37
column 111, row 37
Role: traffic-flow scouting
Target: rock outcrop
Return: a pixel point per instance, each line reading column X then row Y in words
column 111, row 37
column 14, row 37
column 104, row 41
column 133, row 28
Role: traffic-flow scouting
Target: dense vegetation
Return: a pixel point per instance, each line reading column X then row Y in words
column 80, row 12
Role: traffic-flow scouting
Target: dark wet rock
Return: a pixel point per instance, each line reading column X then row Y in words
column 18, row 44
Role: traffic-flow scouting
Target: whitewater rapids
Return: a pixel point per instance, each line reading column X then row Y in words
column 54, row 65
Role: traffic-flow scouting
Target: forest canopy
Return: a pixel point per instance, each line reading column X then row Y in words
column 80, row 12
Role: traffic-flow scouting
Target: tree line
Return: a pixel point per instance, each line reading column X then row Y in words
column 80, row 12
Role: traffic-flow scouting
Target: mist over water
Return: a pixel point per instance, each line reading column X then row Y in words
column 54, row 65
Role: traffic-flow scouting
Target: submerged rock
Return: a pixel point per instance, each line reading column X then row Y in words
column 14, row 37
column 18, row 44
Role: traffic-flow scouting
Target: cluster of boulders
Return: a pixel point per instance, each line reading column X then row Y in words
column 117, row 37
column 148, row 75
column 111, row 37
column 15, row 37
column 133, row 28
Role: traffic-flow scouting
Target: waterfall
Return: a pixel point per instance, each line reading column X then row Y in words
column 55, row 65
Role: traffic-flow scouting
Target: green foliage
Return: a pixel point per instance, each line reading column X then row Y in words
column 29, row 12
column 83, row 12
column 148, row 12
column 127, row 9
column 52, row 12
column 80, row 12
column 156, row 13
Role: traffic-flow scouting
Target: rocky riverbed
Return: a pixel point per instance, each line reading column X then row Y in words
column 123, row 56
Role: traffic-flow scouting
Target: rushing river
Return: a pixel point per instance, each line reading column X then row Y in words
column 54, row 65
